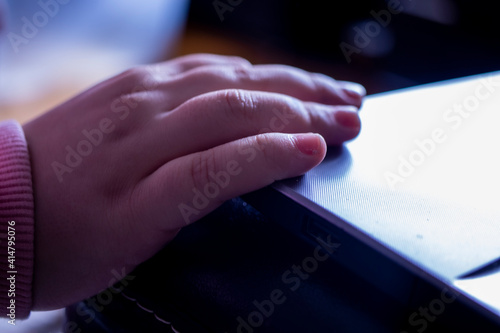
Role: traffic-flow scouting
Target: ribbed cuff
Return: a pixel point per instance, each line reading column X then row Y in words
column 16, row 204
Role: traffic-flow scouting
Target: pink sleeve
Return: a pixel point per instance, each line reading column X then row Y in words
column 16, row 204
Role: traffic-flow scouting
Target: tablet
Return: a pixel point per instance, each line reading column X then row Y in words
column 414, row 201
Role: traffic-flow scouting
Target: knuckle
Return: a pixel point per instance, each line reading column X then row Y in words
column 266, row 145
column 240, row 105
column 194, row 57
column 202, row 165
column 243, row 73
column 239, row 60
column 134, row 92
column 263, row 143
column 135, row 74
column 132, row 81
column 322, row 86
column 291, row 113
column 138, row 79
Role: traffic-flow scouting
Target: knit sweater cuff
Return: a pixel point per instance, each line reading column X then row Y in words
column 16, row 223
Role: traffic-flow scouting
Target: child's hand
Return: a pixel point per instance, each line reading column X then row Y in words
column 119, row 169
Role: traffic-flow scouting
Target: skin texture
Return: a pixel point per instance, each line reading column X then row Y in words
column 156, row 137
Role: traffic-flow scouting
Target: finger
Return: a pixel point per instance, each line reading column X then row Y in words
column 216, row 118
column 189, row 62
column 149, row 77
column 281, row 79
column 188, row 188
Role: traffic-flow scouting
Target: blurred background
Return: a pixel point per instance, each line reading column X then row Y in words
column 51, row 49
column 391, row 44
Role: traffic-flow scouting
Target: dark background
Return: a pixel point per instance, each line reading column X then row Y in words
column 429, row 41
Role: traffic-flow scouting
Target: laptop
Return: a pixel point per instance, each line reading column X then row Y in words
column 413, row 203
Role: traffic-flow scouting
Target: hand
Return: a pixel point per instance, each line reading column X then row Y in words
column 121, row 168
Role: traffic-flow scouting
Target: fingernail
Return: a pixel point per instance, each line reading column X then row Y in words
column 354, row 90
column 308, row 144
column 348, row 118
